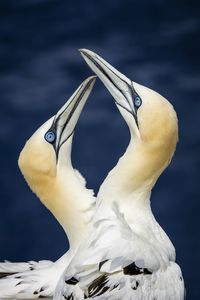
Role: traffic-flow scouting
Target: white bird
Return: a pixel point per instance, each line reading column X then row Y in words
column 126, row 254
column 45, row 162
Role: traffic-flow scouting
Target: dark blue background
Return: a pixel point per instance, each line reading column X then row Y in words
column 155, row 43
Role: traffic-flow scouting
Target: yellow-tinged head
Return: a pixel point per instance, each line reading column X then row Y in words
column 38, row 163
column 152, row 122
column 38, row 156
column 45, row 160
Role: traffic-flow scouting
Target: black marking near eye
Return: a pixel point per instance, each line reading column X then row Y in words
column 130, row 86
column 50, row 136
column 56, row 119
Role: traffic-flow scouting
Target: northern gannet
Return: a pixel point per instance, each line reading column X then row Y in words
column 126, row 254
column 45, row 162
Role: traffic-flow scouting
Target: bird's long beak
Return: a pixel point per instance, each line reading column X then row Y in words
column 66, row 118
column 120, row 87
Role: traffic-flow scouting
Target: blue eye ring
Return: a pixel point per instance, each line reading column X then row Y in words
column 137, row 101
column 50, row 136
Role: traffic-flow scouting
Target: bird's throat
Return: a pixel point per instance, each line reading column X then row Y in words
column 68, row 201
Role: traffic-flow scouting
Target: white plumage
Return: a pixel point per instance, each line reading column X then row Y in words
column 46, row 165
column 118, row 250
column 126, row 254
column 120, row 262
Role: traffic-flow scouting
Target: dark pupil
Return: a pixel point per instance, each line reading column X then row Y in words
column 50, row 136
column 137, row 101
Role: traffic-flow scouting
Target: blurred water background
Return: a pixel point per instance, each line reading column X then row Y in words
column 156, row 43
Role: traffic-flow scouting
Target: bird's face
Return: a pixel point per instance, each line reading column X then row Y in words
column 151, row 118
column 49, row 148
column 38, row 157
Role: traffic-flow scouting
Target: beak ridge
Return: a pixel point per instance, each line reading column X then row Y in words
column 67, row 117
column 120, row 87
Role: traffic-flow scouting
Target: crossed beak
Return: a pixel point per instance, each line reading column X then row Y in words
column 120, row 87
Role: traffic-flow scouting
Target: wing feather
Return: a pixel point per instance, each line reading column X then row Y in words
column 116, row 262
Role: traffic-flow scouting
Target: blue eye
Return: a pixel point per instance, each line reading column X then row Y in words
column 50, row 136
column 137, row 101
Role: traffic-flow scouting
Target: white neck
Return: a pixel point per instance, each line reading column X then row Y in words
column 123, row 189
column 77, row 201
column 74, row 205
column 122, row 184
column 132, row 204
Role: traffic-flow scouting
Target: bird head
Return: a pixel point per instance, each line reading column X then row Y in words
column 150, row 117
column 48, row 150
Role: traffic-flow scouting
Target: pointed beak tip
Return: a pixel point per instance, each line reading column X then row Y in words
column 92, row 79
column 82, row 50
column 86, row 52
